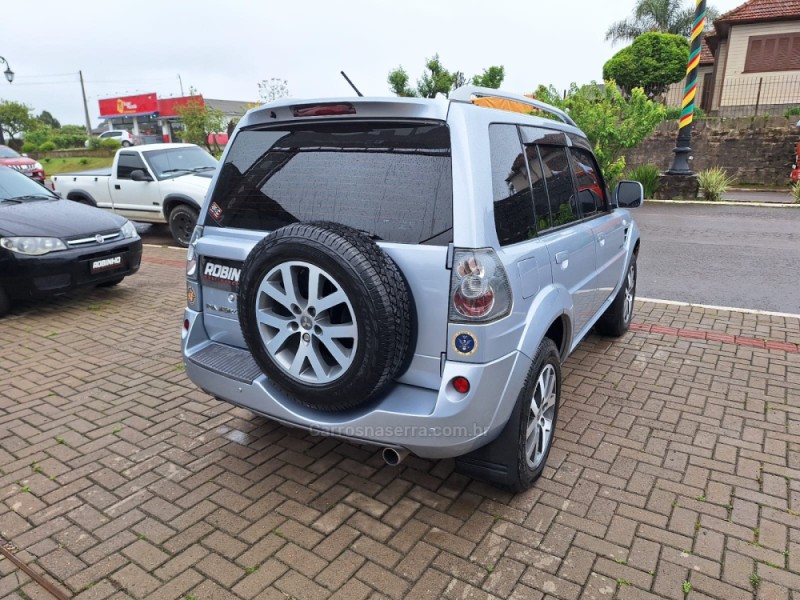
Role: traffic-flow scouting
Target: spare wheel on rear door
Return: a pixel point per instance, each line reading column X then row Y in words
column 325, row 313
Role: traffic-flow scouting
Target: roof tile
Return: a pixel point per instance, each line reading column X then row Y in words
column 762, row 10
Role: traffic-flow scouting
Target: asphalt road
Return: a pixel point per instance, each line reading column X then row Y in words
column 738, row 256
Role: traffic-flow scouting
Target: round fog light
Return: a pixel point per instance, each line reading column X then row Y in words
column 460, row 384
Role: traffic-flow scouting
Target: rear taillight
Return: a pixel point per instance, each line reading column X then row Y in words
column 191, row 255
column 479, row 288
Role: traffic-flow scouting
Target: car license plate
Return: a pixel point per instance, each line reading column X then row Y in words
column 108, row 263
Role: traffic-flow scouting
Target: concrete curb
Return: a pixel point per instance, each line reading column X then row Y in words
column 725, row 203
column 751, row 311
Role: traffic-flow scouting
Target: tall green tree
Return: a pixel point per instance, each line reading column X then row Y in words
column 611, row 121
column 45, row 118
column 15, row 118
column 652, row 62
column 438, row 80
column 664, row 16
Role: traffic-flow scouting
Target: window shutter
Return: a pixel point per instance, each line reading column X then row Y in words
column 753, row 60
column 794, row 58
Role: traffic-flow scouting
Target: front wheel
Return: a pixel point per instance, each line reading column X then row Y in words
column 617, row 318
column 182, row 220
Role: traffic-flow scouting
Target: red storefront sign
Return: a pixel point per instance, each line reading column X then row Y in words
column 142, row 104
column 167, row 106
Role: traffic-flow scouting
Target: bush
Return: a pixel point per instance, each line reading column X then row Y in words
column 110, row 144
column 714, row 182
column 795, row 191
column 647, row 175
column 84, row 161
column 95, row 143
column 29, row 147
column 68, row 140
column 792, row 112
column 653, row 61
column 38, row 136
column 674, row 113
column 47, row 146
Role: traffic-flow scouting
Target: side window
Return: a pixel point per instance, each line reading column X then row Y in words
column 541, row 206
column 127, row 163
column 591, row 197
column 558, row 179
column 513, row 207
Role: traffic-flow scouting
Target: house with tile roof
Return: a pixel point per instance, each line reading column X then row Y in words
column 751, row 60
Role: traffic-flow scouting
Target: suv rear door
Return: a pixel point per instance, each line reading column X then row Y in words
column 391, row 180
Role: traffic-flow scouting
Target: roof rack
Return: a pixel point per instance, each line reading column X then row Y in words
column 467, row 92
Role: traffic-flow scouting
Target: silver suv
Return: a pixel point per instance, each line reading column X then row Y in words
column 408, row 273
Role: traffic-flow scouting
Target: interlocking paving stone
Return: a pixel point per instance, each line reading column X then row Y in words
column 677, row 459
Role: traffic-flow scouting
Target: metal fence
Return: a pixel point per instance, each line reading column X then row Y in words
column 758, row 95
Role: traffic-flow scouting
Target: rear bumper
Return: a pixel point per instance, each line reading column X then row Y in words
column 429, row 423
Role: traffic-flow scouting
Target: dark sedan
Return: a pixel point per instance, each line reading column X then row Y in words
column 49, row 245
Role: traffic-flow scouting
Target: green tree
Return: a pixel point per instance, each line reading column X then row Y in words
column 438, row 80
column 45, row 118
column 199, row 121
column 664, row 16
column 490, row 78
column 652, row 62
column 611, row 121
column 15, row 118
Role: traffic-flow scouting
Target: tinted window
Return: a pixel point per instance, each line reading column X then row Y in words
column 591, row 197
column 391, row 181
column 109, row 134
column 513, row 208
column 6, row 152
column 558, row 179
column 127, row 163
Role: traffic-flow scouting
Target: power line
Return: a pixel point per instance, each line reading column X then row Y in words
column 47, row 75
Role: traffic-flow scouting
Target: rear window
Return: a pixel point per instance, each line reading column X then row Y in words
column 392, row 181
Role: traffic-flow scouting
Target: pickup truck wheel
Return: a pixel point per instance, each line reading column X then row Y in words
column 325, row 313
column 617, row 318
column 182, row 220
column 517, row 457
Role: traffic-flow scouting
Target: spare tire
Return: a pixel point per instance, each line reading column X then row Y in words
column 325, row 313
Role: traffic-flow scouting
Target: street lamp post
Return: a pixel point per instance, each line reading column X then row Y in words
column 680, row 164
column 10, row 77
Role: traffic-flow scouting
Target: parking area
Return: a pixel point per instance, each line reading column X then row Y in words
column 675, row 472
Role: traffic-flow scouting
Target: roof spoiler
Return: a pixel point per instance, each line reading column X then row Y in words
column 467, row 92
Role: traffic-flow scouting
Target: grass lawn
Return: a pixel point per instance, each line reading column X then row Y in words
column 56, row 166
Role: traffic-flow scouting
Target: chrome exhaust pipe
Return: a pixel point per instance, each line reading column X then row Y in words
column 394, row 456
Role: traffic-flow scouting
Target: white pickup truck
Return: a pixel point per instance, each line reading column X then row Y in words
column 157, row 183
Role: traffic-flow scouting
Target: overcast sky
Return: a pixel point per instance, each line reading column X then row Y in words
column 224, row 48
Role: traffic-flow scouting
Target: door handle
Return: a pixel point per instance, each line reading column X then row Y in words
column 562, row 256
column 116, row 186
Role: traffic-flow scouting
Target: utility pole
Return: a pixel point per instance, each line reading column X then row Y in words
column 181, row 82
column 85, row 107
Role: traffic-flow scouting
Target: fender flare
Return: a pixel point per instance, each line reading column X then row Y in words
column 172, row 200
column 78, row 195
column 551, row 304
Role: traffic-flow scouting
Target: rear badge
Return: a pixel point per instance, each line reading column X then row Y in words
column 215, row 210
column 465, row 343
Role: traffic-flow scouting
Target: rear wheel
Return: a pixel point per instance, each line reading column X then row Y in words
column 617, row 318
column 182, row 220
column 516, row 459
column 126, row 144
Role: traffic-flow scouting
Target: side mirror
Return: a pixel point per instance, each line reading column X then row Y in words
column 629, row 194
column 140, row 175
column 25, row 155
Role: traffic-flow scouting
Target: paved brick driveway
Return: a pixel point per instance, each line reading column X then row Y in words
column 676, row 469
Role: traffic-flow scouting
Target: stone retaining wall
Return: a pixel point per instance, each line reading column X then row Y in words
column 757, row 150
